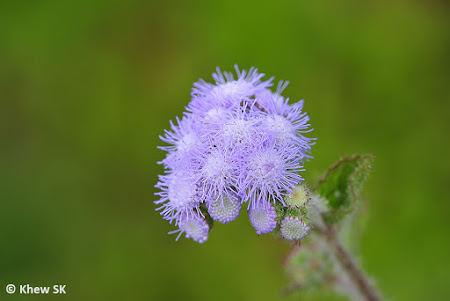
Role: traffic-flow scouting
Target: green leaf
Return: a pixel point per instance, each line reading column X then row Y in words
column 341, row 185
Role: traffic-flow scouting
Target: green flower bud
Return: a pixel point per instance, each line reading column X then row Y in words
column 299, row 197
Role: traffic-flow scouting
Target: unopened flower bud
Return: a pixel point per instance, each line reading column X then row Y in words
column 293, row 228
column 195, row 227
column 299, row 197
column 263, row 218
column 224, row 209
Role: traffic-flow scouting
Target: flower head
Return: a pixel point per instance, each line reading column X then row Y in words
column 183, row 140
column 179, row 195
column 270, row 171
column 228, row 92
column 238, row 142
column 195, row 227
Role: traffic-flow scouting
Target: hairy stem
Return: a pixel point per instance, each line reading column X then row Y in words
column 348, row 263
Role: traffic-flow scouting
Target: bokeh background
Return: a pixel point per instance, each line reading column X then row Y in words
column 87, row 87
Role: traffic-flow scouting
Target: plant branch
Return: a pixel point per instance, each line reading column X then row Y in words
column 350, row 266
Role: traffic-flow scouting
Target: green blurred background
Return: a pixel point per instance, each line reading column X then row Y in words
column 87, row 87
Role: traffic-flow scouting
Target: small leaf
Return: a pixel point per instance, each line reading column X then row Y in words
column 341, row 185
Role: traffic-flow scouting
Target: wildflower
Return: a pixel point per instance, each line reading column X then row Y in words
column 218, row 171
column 237, row 142
column 179, row 195
column 195, row 227
column 228, row 92
column 270, row 171
column 184, row 139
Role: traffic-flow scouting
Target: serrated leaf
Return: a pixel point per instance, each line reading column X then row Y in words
column 341, row 185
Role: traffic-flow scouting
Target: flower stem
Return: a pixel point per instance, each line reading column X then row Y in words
column 349, row 265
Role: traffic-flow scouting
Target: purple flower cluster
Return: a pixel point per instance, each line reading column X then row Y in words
column 238, row 142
